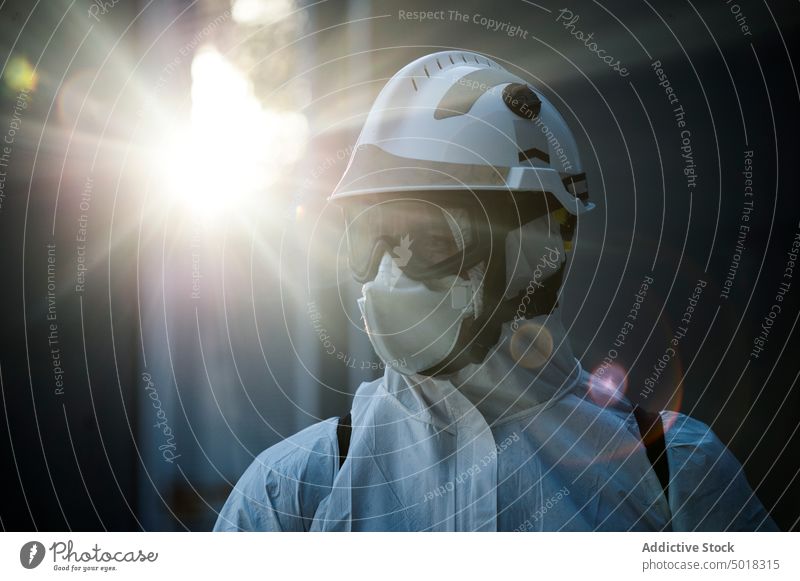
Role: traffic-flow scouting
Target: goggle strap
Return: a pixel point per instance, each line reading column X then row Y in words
column 542, row 302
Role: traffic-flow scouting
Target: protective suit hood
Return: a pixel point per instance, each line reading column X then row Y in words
column 528, row 367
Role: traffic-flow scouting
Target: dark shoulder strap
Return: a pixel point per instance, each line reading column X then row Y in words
column 343, row 429
column 652, row 430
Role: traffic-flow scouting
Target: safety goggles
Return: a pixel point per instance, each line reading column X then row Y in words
column 433, row 234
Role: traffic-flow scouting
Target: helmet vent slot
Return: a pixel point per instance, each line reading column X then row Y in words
column 460, row 97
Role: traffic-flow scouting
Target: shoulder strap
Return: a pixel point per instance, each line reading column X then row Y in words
column 343, row 429
column 651, row 429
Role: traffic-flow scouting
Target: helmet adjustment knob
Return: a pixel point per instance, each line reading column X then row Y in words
column 522, row 100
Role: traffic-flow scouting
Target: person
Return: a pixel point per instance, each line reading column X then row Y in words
column 461, row 202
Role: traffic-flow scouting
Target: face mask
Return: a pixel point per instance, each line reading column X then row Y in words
column 413, row 326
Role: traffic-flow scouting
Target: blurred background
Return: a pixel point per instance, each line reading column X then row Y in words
column 175, row 296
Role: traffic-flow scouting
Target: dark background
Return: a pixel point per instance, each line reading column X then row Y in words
column 242, row 367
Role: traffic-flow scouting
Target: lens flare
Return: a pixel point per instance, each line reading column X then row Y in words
column 20, row 75
column 260, row 12
column 608, row 384
column 234, row 148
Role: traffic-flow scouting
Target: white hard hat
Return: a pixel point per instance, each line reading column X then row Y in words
column 457, row 120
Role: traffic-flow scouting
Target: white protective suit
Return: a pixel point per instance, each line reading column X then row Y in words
column 508, row 449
